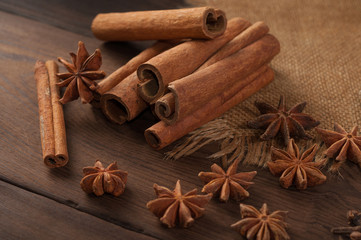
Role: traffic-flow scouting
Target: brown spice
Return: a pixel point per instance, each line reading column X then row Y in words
column 228, row 183
column 180, row 61
column 354, row 232
column 119, row 100
column 341, row 145
column 261, row 225
column 193, row 91
column 295, row 168
column 81, row 75
column 172, row 205
column 160, row 135
column 354, row 217
column 52, row 125
column 203, row 22
column 291, row 123
column 127, row 69
column 98, row 179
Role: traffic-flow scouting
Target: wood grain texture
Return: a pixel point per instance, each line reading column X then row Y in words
column 90, row 136
column 25, row 215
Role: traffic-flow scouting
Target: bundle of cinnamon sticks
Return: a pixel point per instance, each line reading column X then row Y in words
column 200, row 67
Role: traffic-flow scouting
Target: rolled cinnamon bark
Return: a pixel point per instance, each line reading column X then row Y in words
column 123, row 103
column 161, row 135
column 52, row 125
column 180, row 61
column 200, row 23
column 193, row 91
column 248, row 36
column 121, row 73
column 120, row 101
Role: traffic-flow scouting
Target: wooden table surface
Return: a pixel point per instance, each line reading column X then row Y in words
column 41, row 203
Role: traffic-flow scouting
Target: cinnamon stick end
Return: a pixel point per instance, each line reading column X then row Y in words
column 151, row 85
column 215, row 23
column 152, row 139
column 114, row 109
column 56, row 161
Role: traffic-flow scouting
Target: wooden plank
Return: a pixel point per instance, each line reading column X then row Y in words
column 76, row 16
column 25, row 215
column 311, row 213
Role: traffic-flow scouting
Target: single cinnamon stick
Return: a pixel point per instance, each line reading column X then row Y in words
column 52, row 125
column 248, row 36
column 180, row 61
column 193, row 91
column 120, row 101
column 201, row 23
column 121, row 73
column 160, row 135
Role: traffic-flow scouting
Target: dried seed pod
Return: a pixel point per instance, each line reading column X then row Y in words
column 100, row 180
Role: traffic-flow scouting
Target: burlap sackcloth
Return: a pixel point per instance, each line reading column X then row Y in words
column 319, row 62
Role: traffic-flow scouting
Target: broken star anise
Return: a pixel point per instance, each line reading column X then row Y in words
column 80, row 80
column 291, row 123
column 341, row 145
column 261, row 225
column 98, row 179
column 171, row 206
column 228, row 183
column 295, row 168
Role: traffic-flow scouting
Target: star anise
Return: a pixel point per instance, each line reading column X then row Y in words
column 354, row 231
column 173, row 205
column 341, row 145
column 296, row 169
column 291, row 123
column 261, row 225
column 98, row 179
column 228, row 183
column 80, row 80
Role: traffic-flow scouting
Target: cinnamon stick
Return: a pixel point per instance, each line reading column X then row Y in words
column 180, row 61
column 121, row 73
column 193, row 91
column 120, row 101
column 248, row 36
column 165, row 106
column 123, row 103
column 199, row 23
column 160, row 135
column 52, row 125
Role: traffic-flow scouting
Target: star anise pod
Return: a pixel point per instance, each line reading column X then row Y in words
column 296, row 169
column 341, row 145
column 98, row 179
column 353, row 232
column 171, row 206
column 261, row 225
column 80, row 80
column 228, row 183
column 291, row 123
column 354, row 217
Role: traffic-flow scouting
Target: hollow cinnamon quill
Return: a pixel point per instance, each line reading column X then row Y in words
column 193, row 91
column 122, row 103
column 161, row 134
column 121, row 73
column 119, row 99
column 52, row 125
column 180, row 61
column 199, row 23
